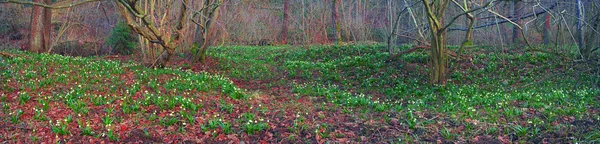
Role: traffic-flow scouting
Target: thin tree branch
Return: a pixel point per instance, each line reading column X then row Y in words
column 507, row 19
column 430, row 14
column 47, row 6
column 409, row 37
column 464, row 13
column 131, row 10
column 516, row 25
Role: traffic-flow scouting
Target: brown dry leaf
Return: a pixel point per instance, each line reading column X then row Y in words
column 504, row 140
column 269, row 136
column 221, row 137
column 370, row 122
column 351, row 124
column 460, row 129
column 318, row 138
column 233, row 138
column 342, row 140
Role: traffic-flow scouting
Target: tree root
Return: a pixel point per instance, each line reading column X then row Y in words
column 10, row 55
column 7, row 55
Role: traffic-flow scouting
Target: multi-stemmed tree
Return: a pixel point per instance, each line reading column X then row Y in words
column 436, row 13
column 151, row 20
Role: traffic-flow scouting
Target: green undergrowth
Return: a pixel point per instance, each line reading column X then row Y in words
column 523, row 96
column 506, row 96
column 65, row 93
column 248, row 62
column 79, row 75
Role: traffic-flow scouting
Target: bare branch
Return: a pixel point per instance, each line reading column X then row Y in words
column 515, row 24
column 410, row 37
column 465, row 13
column 430, row 14
column 48, row 6
column 131, row 10
column 507, row 19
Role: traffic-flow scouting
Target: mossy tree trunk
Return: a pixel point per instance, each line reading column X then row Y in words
column 335, row 16
column 435, row 16
column 438, row 61
column 437, row 26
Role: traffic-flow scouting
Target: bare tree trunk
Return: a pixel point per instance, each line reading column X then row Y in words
column 47, row 26
column 156, row 33
column 36, row 37
column 517, row 12
column 437, row 73
column 181, row 20
column 414, row 20
column 469, row 34
column 580, row 18
column 286, row 15
column 207, row 19
column 336, row 21
column 546, row 30
column 393, row 26
column 304, row 27
column 504, row 30
column 435, row 16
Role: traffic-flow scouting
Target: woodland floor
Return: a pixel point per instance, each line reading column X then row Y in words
column 313, row 94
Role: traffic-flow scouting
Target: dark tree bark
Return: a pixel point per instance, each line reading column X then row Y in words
column 546, row 30
column 47, row 31
column 286, row 15
column 41, row 22
column 39, row 39
column 518, row 13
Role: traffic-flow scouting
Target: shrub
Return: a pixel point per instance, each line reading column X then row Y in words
column 121, row 39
